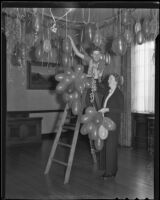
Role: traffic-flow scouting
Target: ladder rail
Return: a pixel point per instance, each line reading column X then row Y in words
column 55, row 143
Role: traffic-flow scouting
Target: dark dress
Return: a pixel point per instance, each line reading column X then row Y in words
column 108, row 155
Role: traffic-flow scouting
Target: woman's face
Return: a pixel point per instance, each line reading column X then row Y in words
column 112, row 81
column 96, row 55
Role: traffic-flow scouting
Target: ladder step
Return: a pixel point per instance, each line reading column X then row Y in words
column 68, row 127
column 60, row 162
column 63, row 144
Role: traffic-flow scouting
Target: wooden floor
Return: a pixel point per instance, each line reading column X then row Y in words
column 25, row 177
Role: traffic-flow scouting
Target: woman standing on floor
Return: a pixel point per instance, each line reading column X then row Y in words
column 112, row 107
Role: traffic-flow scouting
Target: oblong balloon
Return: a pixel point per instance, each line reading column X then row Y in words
column 76, row 106
column 60, row 77
column 102, row 132
column 109, row 124
column 94, row 134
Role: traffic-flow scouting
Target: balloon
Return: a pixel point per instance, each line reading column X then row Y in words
column 36, row 24
column 90, row 111
column 86, row 118
column 97, row 39
column 88, row 83
column 89, row 32
column 137, row 27
column 102, row 132
column 146, row 27
column 67, row 48
column 119, row 45
column 65, row 60
column 108, row 58
column 90, row 127
column 53, row 55
column 109, row 124
column 83, row 130
column 79, row 85
column 66, row 97
column 71, row 88
column 98, row 118
column 93, row 135
column 79, row 69
column 99, row 144
column 60, row 77
column 57, row 43
column 71, row 97
column 67, row 80
column 128, row 36
column 126, row 17
column 140, row 37
column 47, row 45
column 76, row 106
column 76, row 95
column 60, row 87
column 39, row 52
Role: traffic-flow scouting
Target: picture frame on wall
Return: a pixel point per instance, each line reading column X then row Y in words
column 41, row 75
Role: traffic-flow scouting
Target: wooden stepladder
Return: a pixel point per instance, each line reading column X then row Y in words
column 73, row 144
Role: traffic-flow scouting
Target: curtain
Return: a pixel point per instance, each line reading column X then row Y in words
column 125, row 133
column 143, row 77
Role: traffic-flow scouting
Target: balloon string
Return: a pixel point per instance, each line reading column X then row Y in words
column 66, row 26
column 88, row 16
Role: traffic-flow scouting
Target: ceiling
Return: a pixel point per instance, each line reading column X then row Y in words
column 92, row 15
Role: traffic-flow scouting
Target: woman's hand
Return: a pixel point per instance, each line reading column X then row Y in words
column 104, row 110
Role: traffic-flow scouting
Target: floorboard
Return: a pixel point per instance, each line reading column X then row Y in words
column 25, row 177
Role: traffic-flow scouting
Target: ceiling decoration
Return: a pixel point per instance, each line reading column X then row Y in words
column 37, row 33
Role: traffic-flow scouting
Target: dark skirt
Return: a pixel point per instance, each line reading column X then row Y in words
column 108, row 156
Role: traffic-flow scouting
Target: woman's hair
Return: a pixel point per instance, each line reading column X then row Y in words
column 118, row 78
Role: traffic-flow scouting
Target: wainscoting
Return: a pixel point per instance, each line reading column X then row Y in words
column 143, row 131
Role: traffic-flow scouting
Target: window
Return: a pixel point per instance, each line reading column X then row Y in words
column 143, row 78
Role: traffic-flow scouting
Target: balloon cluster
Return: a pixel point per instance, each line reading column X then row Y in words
column 72, row 84
column 96, row 126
